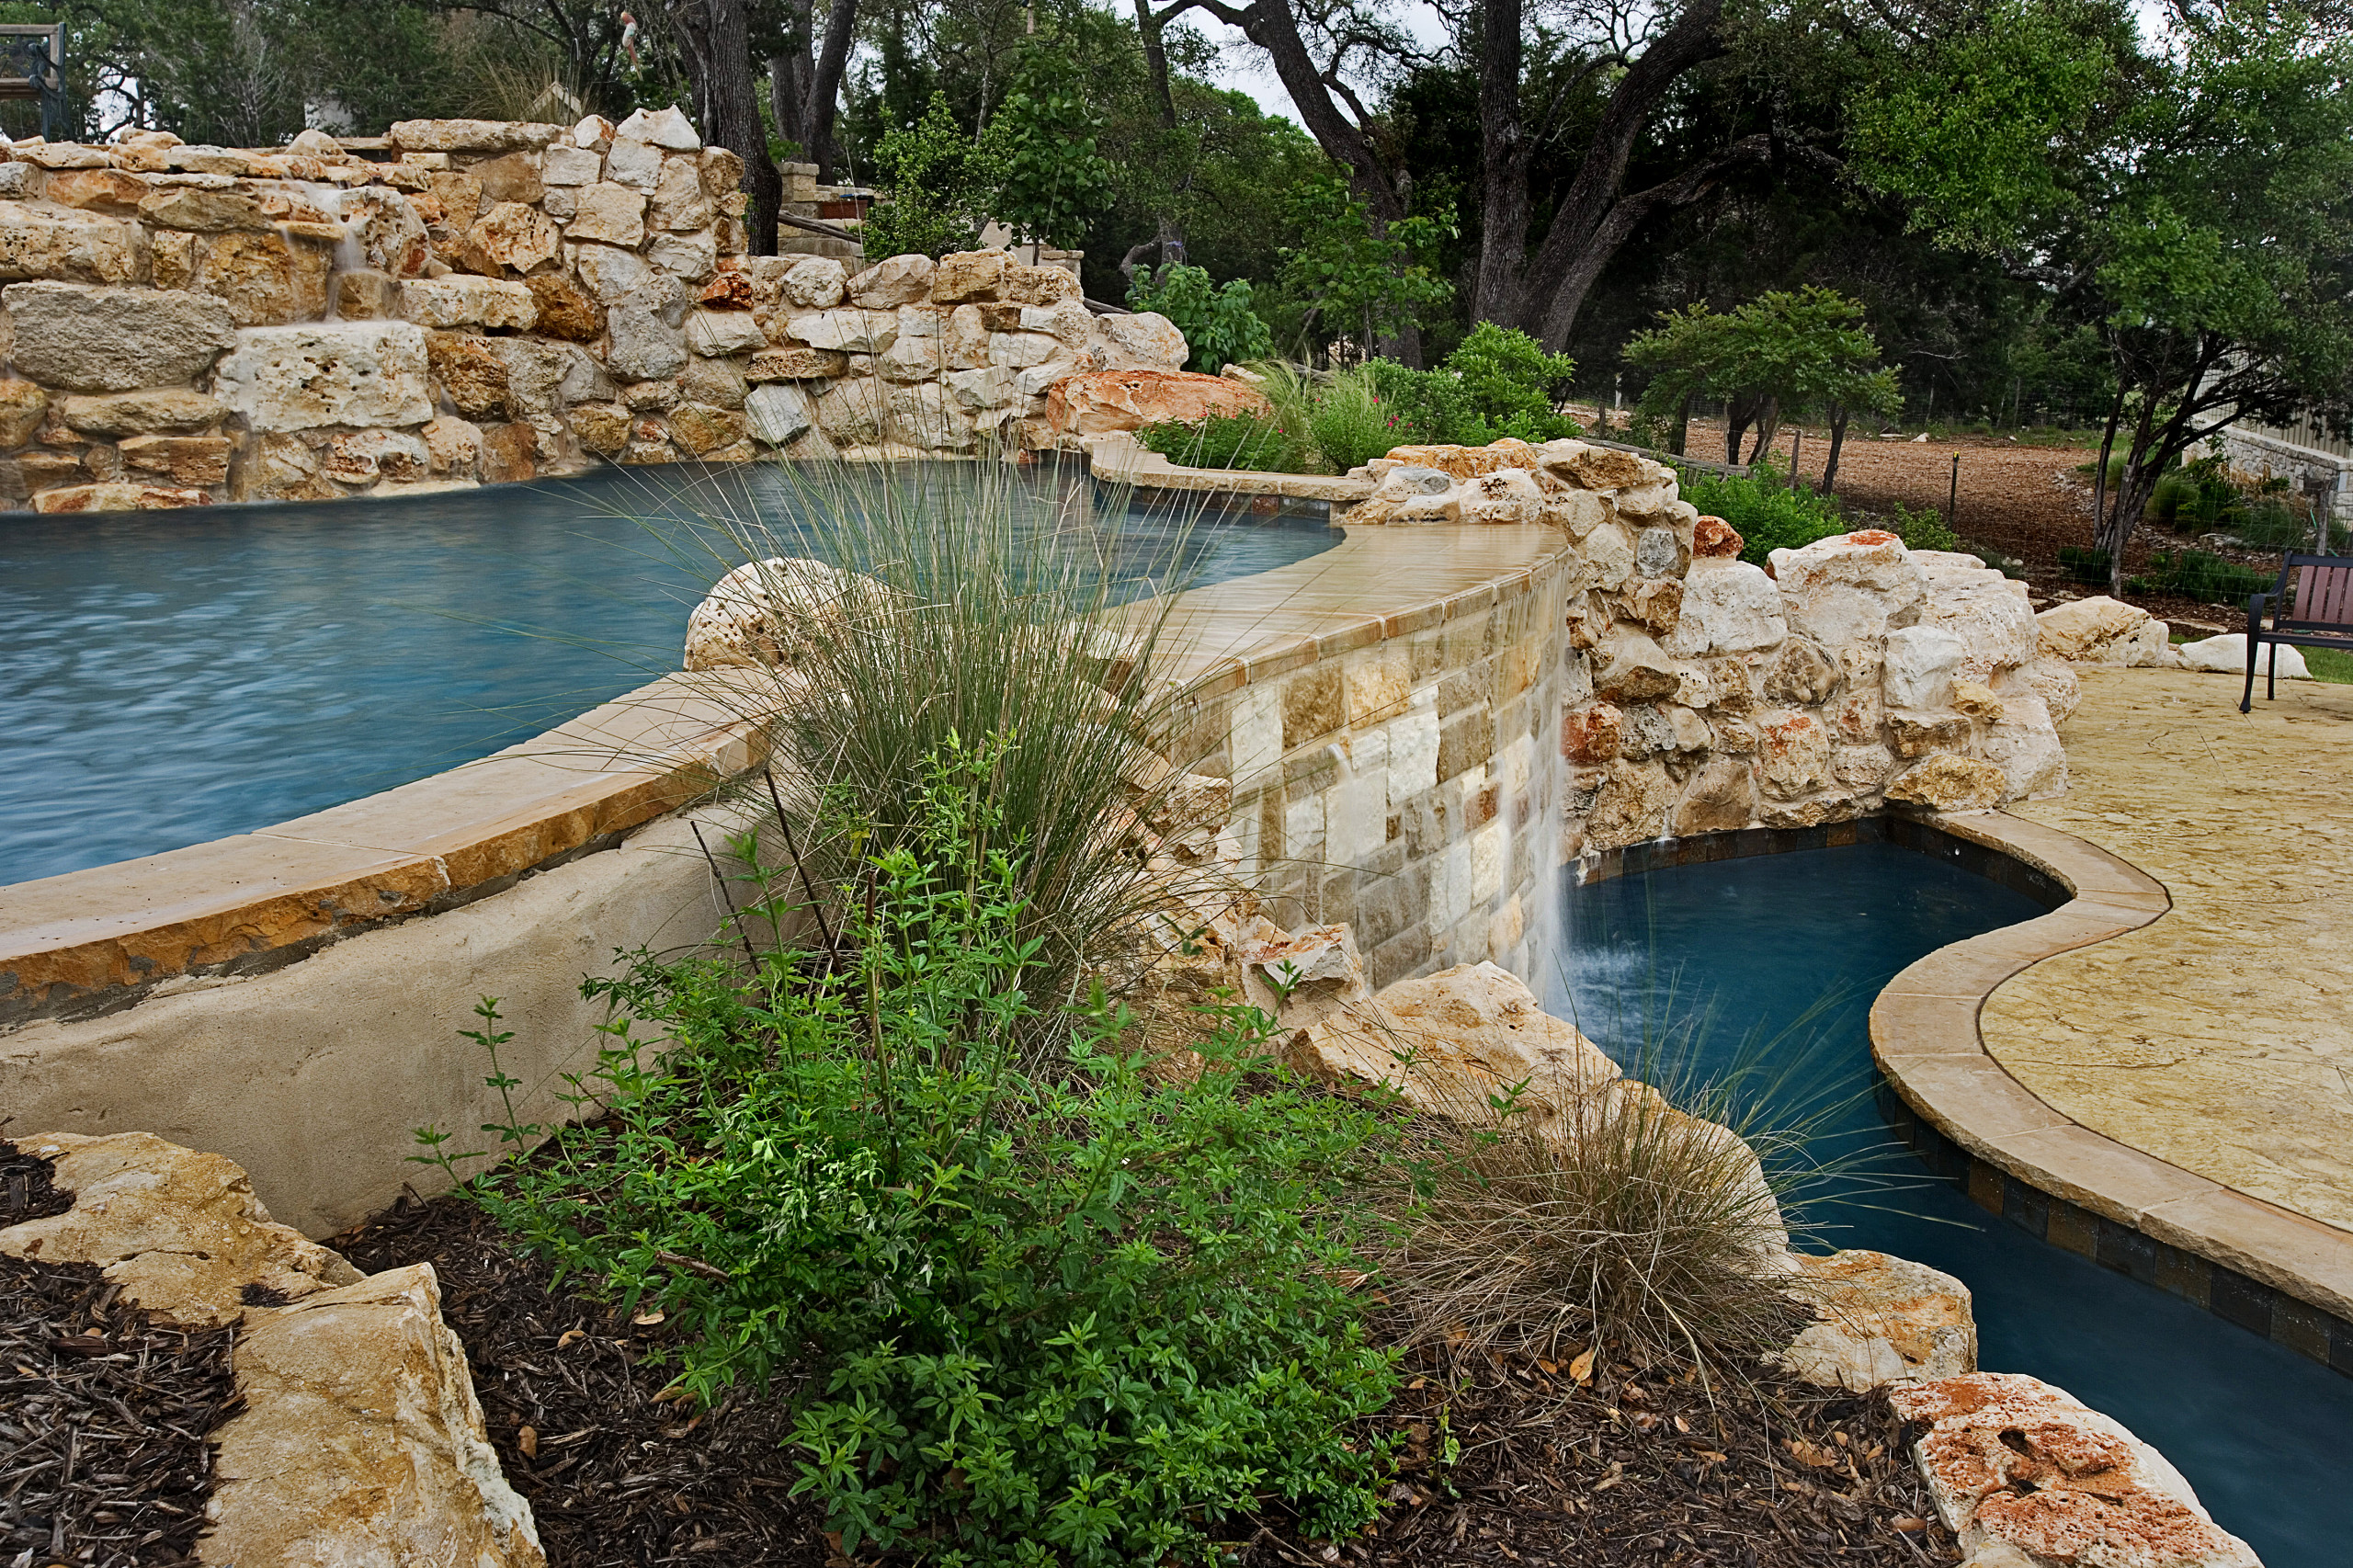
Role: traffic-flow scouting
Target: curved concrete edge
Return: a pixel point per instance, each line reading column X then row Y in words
column 1117, row 457
column 1926, row 1041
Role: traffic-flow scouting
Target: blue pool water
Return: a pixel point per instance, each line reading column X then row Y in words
column 1695, row 958
column 169, row 678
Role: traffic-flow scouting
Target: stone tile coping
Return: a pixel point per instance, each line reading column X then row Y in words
column 1120, row 459
column 2280, row 1275
column 97, row 939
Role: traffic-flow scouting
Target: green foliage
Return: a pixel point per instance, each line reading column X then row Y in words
column 1218, row 323
column 1806, row 348
column 1511, row 384
column 1358, row 282
column 1430, row 406
column 1349, row 423
column 2199, row 575
column 1052, row 180
column 937, row 184
column 1229, row 440
column 1768, row 514
column 1075, row 1318
column 1922, row 528
column 2080, row 565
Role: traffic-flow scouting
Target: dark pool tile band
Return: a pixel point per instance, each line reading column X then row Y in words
column 2278, row 1274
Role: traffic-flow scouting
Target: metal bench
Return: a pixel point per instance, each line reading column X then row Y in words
column 2319, row 615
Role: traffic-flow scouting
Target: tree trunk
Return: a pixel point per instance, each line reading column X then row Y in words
column 1768, row 425
column 804, row 83
column 1499, row 288
column 1682, row 427
column 2132, row 492
column 1837, row 442
column 718, row 52
column 1739, row 413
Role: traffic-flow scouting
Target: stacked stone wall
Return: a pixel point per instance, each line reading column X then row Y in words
column 472, row 301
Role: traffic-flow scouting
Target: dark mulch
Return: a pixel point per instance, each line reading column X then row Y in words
column 1638, row 1468
column 104, row 1411
column 569, row 1394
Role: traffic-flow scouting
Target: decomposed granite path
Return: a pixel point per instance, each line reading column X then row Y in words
column 2218, row 1039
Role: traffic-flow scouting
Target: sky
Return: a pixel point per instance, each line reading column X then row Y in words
column 1245, row 70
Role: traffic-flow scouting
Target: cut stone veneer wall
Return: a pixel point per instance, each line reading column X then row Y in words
column 1420, row 777
column 475, row 300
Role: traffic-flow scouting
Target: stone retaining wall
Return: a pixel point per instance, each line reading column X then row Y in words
column 474, row 300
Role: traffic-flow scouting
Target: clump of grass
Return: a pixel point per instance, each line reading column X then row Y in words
column 1621, row 1221
column 1247, row 441
column 958, row 617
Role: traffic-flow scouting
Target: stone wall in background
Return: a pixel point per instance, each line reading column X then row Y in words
column 472, row 300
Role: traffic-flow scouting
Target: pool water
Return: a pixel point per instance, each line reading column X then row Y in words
column 1773, row 961
column 169, row 678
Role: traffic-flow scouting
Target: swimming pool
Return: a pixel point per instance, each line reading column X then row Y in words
column 169, row 678
column 1695, row 958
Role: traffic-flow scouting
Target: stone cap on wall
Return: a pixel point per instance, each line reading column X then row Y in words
column 97, row 939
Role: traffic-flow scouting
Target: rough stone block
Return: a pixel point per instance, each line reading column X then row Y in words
column 666, row 127
column 692, row 257
column 648, row 331
column 719, row 333
column 462, row 300
column 299, row 378
column 888, row 284
column 120, row 496
column 91, row 339
column 184, row 460
column 470, row 135
column 610, row 214
column 132, row 412
column 797, row 364
column 22, row 406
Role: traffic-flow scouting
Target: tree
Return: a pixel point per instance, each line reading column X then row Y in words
column 716, row 36
column 806, row 68
column 1357, row 275
column 937, row 184
column 1784, row 351
column 1051, row 179
column 2193, row 202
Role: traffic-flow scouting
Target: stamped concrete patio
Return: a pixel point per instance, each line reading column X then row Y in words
column 2218, row 1038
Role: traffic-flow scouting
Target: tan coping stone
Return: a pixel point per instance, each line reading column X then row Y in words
column 2304, row 1258
column 1421, row 618
column 1118, row 457
column 2086, row 869
column 1906, row 1024
column 2097, row 1173
column 389, row 855
column 1970, row 1099
column 1279, row 659
column 1348, row 639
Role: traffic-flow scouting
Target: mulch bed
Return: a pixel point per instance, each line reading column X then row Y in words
column 104, row 1411
column 1640, row 1467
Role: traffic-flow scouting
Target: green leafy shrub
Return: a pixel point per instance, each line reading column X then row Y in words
column 1509, row 383
column 1051, row 179
column 1923, row 529
column 1078, row 1318
column 936, row 185
column 1349, row 422
column 2200, row 575
column 1218, row 323
column 1245, row 441
column 1430, row 406
column 1769, row 515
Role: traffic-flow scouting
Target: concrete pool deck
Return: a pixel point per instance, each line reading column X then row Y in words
column 2220, row 1037
column 2154, row 1072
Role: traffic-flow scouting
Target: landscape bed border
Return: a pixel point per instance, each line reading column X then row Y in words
column 2278, row 1275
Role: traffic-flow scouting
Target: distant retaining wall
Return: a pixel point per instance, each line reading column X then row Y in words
column 472, row 300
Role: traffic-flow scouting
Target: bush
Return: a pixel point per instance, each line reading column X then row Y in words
column 1245, row 441
column 1431, row 407
column 2080, row 565
column 936, row 183
column 1218, row 323
column 1769, row 515
column 1510, row 382
column 1072, row 1319
column 1923, row 529
column 2199, row 575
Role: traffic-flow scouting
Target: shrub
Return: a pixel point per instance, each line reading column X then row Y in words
column 1218, row 323
column 1349, row 421
column 1509, row 382
column 936, row 183
column 1071, row 1319
column 1244, row 441
column 2199, row 575
column 1923, row 529
column 1769, row 515
column 1430, row 406
column 2080, row 565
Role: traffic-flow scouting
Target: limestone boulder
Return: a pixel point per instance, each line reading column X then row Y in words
column 1631, row 667
column 1850, row 590
column 360, row 1440
column 719, row 333
column 607, row 213
column 387, row 230
column 23, row 404
column 510, row 237
column 1506, row 496
column 1793, row 752
column 1879, row 1320
column 1468, row 462
column 361, row 456
column 1099, row 402
column 924, row 416
column 815, row 283
column 135, row 413
column 180, row 1231
column 1466, row 1034
column 561, row 308
column 2027, row 1476
column 205, row 211
column 1945, row 782
column 969, row 275
column 1987, row 611
column 889, row 283
column 761, row 615
column 1631, row 802
column 117, row 495
column 667, row 128
column 1146, row 339
column 1714, row 538
column 1594, row 468
column 2102, row 631
column 2024, row 744
column 95, row 340
column 1729, row 607
column 648, row 331
column 797, row 365
column 194, row 460
column 778, row 415
column 847, row 331
column 1919, row 667
column 266, row 279
column 465, row 299
column 470, row 135
column 2052, row 680
column 69, row 246
column 321, row 373
column 1720, row 797
column 2227, row 655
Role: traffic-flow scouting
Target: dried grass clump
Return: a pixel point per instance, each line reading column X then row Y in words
column 1614, row 1219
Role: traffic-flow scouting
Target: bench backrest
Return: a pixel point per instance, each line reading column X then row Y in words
column 2324, row 590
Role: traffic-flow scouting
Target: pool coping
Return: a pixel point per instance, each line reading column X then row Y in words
column 2279, row 1274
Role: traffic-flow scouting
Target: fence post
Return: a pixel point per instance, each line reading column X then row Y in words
column 1952, row 496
